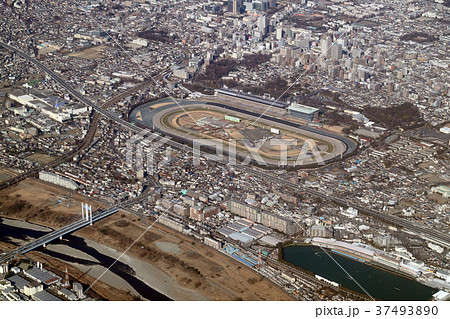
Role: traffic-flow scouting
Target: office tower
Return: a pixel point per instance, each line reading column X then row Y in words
column 325, row 44
column 262, row 25
column 279, row 33
column 236, row 7
column 336, row 52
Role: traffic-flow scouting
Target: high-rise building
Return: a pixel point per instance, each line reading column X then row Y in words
column 304, row 43
column 248, row 5
column 262, row 25
column 261, row 5
column 289, row 32
column 279, row 33
column 325, row 44
column 336, row 51
column 357, row 53
column 234, row 6
column 343, row 42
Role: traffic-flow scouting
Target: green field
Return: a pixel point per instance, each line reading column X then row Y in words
column 41, row 158
column 165, row 120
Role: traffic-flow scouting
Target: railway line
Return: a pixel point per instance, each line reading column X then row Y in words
column 85, row 143
column 426, row 233
column 87, row 140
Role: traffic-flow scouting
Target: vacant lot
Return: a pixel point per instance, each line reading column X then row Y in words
column 42, row 203
column 41, row 158
column 91, row 53
column 193, row 265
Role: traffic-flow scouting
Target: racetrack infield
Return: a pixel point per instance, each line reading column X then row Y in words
column 176, row 118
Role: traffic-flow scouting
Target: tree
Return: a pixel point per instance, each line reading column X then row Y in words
column 405, row 116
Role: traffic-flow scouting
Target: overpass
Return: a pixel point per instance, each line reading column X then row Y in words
column 424, row 232
column 67, row 229
column 56, row 234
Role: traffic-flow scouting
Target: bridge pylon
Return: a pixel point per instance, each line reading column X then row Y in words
column 86, row 212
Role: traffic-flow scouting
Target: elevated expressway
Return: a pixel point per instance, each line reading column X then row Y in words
column 42, row 241
column 425, row 232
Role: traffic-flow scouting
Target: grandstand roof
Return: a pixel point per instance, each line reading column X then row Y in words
column 302, row 108
column 254, row 98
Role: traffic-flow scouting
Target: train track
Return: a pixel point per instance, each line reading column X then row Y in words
column 426, row 233
column 64, row 158
column 87, row 140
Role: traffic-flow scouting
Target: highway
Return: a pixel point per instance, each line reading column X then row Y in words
column 85, row 143
column 67, row 230
column 55, row 234
column 425, row 232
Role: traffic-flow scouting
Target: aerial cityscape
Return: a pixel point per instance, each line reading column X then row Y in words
column 240, row 150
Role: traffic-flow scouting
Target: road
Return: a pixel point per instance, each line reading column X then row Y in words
column 87, row 140
column 425, row 232
column 64, row 158
column 67, row 230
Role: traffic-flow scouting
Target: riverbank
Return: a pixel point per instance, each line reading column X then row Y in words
column 147, row 273
column 358, row 276
column 173, row 263
column 101, row 291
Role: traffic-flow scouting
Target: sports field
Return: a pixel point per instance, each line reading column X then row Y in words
column 241, row 133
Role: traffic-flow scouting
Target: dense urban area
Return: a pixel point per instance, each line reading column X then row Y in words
column 370, row 76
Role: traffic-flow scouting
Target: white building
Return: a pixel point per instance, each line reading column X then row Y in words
column 78, row 288
column 32, row 288
column 213, row 243
column 58, row 180
column 349, row 212
column 3, row 269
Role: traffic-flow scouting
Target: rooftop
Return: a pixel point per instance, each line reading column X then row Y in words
column 40, row 276
column 18, row 281
column 302, row 108
column 45, row 296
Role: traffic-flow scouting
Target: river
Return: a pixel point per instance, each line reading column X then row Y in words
column 11, row 234
column 378, row 283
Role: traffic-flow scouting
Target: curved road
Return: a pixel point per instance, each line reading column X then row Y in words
column 425, row 232
column 154, row 119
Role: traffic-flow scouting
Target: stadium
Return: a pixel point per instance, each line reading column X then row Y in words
column 225, row 127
